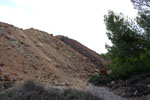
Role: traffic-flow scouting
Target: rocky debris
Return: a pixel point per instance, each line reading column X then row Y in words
column 137, row 85
column 134, row 88
column 13, row 41
column 91, row 55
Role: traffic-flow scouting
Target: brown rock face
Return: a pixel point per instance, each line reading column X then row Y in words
column 37, row 55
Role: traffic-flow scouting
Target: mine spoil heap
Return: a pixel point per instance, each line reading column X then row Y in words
column 32, row 54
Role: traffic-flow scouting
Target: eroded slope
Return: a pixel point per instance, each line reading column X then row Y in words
column 37, row 55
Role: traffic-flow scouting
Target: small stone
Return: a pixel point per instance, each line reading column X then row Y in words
column 39, row 44
column 123, row 94
column 49, row 60
column 96, row 70
column 135, row 92
column 25, row 43
column 112, row 82
column 73, row 56
column 69, row 56
column 8, row 48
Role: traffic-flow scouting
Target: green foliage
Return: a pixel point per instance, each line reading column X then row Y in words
column 130, row 52
column 106, row 56
column 95, row 79
column 34, row 91
column 122, row 33
column 99, row 79
column 131, row 66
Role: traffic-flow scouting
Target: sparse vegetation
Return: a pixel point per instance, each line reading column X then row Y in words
column 99, row 79
column 34, row 91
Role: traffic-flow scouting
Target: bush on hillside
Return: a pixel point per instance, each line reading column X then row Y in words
column 99, row 79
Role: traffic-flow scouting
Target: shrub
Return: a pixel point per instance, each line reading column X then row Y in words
column 31, row 91
column 72, row 94
column 130, row 66
column 99, row 79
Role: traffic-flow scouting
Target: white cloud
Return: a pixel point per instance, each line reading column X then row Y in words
column 79, row 19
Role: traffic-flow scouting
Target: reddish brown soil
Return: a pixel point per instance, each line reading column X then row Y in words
column 36, row 55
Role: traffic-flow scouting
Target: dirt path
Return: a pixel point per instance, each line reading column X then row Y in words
column 104, row 93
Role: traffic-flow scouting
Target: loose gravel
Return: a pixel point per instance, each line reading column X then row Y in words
column 104, row 93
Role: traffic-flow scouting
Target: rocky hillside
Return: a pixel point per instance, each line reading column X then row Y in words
column 90, row 54
column 32, row 54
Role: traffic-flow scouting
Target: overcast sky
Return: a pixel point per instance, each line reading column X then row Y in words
column 81, row 20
